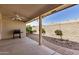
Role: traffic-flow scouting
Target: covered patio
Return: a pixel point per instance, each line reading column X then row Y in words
column 13, row 17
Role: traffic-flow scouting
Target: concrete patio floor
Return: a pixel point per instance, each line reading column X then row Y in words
column 24, row 46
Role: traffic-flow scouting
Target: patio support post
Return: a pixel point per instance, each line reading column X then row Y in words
column 40, row 30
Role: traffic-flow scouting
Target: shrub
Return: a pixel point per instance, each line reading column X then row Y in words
column 29, row 29
column 43, row 31
column 59, row 33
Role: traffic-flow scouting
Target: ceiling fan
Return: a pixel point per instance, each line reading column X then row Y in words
column 17, row 17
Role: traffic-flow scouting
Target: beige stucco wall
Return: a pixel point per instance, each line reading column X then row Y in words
column 8, row 25
column 70, row 30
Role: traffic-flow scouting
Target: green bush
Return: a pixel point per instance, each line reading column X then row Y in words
column 59, row 33
column 43, row 31
column 29, row 29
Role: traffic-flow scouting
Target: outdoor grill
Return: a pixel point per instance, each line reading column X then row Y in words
column 16, row 32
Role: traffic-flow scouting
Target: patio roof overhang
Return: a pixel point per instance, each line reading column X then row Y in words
column 31, row 11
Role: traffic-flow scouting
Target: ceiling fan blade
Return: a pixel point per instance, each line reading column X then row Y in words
column 13, row 18
column 17, row 15
column 22, row 17
column 19, row 18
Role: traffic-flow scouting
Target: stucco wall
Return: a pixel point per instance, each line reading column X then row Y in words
column 70, row 30
column 8, row 25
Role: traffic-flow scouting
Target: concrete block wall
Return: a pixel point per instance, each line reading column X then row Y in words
column 70, row 30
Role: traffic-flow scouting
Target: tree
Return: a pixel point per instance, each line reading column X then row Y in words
column 59, row 33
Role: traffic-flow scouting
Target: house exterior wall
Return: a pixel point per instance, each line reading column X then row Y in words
column 9, row 25
column 70, row 30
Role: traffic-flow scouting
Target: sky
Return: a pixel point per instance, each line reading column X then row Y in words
column 68, row 14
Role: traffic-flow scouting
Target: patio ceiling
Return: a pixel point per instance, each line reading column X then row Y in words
column 29, row 11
